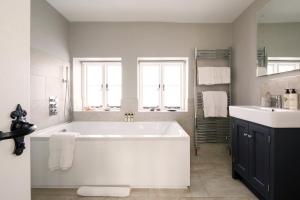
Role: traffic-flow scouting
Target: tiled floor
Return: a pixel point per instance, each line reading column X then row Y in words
column 210, row 180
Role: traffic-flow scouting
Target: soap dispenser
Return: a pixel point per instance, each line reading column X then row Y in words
column 286, row 97
column 293, row 100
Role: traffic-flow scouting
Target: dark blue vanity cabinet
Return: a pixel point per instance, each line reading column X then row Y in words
column 267, row 159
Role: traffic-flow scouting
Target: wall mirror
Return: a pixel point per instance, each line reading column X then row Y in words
column 278, row 37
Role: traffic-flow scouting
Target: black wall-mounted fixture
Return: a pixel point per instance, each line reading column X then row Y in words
column 19, row 128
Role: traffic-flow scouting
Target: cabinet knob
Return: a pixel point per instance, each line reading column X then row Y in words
column 249, row 136
column 245, row 134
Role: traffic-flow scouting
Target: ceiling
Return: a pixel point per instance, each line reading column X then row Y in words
column 183, row 11
column 280, row 11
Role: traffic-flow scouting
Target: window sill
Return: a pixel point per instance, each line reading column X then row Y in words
column 99, row 110
column 163, row 111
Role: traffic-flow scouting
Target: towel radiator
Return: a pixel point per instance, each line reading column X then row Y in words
column 213, row 129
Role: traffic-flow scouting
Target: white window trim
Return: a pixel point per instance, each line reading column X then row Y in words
column 274, row 65
column 184, row 82
column 104, row 85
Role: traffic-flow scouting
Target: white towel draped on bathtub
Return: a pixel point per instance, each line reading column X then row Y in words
column 215, row 103
column 61, row 150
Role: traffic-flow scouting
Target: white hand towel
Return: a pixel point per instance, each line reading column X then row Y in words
column 61, row 150
column 215, row 103
column 54, row 153
column 213, row 75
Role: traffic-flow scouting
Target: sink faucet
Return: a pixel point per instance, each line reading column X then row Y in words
column 276, row 101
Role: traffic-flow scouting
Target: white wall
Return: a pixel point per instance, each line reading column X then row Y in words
column 281, row 39
column 247, row 87
column 14, row 88
column 132, row 40
column 49, row 30
column 49, row 55
column 245, row 84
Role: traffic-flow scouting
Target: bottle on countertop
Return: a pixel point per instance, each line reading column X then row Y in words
column 286, row 97
column 293, row 100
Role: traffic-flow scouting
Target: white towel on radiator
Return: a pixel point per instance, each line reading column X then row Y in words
column 213, row 75
column 61, row 150
column 215, row 103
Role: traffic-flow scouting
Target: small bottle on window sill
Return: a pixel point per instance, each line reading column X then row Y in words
column 126, row 117
column 131, row 117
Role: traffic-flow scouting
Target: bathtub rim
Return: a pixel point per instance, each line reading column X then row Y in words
column 41, row 136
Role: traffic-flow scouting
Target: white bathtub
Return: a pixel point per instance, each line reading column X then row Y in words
column 138, row 154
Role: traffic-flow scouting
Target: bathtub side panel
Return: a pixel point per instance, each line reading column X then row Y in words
column 138, row 163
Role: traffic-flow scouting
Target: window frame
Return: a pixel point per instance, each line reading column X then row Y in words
column 104, row 85
column 183, row 83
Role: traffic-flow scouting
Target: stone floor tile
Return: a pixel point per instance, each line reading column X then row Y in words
column 210, row 180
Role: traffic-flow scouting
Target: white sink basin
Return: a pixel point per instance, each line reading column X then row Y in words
column 272, row 117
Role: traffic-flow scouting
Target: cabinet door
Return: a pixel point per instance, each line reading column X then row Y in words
column 259, row 158
column 241, row 147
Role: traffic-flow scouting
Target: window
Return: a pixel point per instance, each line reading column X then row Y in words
column 162, row 84
column 279, row 64
column 101, row 85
